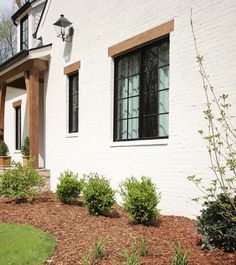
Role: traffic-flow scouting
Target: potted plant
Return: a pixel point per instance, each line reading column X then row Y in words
column 25, row 151
column 5, row 160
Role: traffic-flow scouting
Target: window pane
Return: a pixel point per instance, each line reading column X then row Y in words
column 133, row 128
column 150, row 81
column 149, row 126
column 123, row 67
column 163, row 125
column 73, row 103
column 18, row 128
column 163, row 77
column 123, row 88
column 133, row 86
column 122, row 111
column 133, row 107
column 150, row 105
column 164, row 54
column 134, row 64
column 150, row 58
column 163, row 99
column 122, row 129
column 24, row 33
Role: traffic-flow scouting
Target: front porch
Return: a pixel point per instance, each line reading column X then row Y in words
column 26, row 72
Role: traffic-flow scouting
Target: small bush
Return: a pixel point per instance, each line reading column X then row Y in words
column 98, row 194
column 25, row 147
column 180, row 257
column 3, row 148
column 21, row 183
column 140, row 199
column 69, row 187
column 216, row 223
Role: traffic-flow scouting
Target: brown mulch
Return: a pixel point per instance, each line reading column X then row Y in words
column 76, row 233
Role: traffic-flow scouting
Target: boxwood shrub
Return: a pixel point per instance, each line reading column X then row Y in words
column 69, row 187
column 21, row 183
column 98, row 194
column 140, row 199
column 217, row 224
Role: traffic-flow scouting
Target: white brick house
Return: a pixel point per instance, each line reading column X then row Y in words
column 78, row 118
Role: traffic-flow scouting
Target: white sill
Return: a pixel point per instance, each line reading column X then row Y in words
column 72, row 135
column 17, row 152
column 156, row 142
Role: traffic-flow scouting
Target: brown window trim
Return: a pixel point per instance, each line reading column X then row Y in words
column 16, row 104
column 72, row 68
column 140, row 39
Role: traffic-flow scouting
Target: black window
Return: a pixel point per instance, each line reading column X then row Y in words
column 73, row 102
column 18, row 127
column 142, row 93
column 24, row 33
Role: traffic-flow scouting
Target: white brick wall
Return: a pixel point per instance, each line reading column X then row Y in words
column 101, row 24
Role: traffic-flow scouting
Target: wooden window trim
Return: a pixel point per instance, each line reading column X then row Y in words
column 16, row 104
column 70, row 69
column 141, row 39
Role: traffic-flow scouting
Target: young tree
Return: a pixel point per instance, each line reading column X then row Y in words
column 7, row 35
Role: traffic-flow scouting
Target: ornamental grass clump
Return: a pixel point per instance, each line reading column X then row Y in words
column 99, row 197
column 140, row 199
column 181, row 257
column 21, row 183
column 69, row 187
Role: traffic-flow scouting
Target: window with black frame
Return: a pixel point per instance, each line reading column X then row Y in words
column 73, row 102
column 24, row 33
column 18, row 127
column 142, row 93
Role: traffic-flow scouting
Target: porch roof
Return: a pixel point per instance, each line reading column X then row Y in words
column 14, row 68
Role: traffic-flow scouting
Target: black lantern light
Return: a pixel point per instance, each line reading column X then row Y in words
column 64, row 29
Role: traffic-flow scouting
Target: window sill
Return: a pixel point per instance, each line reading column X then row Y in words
column 72, row 135
column 156, row 142
column 17, row 152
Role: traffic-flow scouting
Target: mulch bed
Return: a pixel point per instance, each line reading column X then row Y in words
column 76, row 233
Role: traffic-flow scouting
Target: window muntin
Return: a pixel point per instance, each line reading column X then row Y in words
column 24, row 33
column 73, row 102
column 18, row 127
column 142, row 93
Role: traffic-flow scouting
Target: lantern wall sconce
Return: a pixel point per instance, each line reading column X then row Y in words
column 63, row 29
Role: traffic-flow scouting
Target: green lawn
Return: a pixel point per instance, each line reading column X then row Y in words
column 24, row 244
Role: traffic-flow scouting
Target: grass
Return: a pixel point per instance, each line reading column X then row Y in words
column 24, row 245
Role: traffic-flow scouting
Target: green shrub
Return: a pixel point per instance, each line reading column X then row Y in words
column 140, row 199
column 3, row 148
column 68, row 188
column 180, row 257
column 25, row 147
column 98, row 194
column 217, row 224
column 21, row 183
